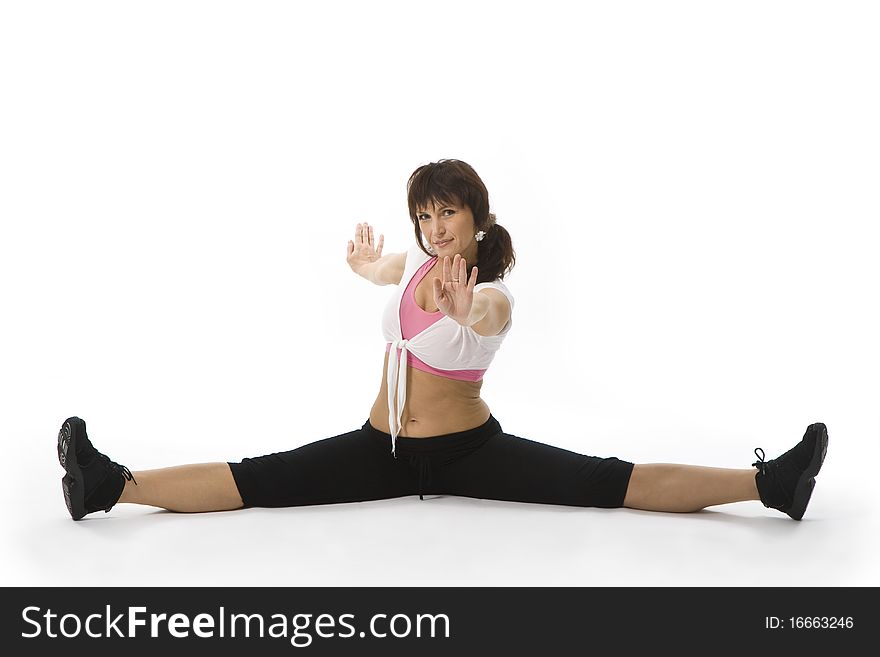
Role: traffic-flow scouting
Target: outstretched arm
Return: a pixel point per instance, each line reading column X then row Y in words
column 366, row 260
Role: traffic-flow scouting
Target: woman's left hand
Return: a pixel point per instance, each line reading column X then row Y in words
column 454, row 294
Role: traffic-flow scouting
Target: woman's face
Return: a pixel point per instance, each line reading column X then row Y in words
column 449, row 229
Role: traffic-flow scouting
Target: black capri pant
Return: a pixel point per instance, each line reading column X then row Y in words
column 483, row 462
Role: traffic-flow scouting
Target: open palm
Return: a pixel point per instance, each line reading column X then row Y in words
column 454, row 293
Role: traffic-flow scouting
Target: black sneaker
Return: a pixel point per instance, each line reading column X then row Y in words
column 786, row 482
column 93, row 482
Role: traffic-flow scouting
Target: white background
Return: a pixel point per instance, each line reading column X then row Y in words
column 691, row 188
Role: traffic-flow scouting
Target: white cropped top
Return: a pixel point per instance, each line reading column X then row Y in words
column 443, row 345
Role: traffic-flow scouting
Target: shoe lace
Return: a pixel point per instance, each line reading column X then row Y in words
column 113, row 465
column 761, row 464
column 771, row 469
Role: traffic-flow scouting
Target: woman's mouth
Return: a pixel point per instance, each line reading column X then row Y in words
column 442, row 243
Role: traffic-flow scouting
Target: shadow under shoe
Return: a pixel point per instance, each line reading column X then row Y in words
column 786, row 483
column 93, row 482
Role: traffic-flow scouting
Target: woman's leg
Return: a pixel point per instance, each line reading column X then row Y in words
column 785, row 483
column 351, row 467
column 94, row 482
column 186, row 488
column 513, row 468
column 356, row 466
column 685, row 488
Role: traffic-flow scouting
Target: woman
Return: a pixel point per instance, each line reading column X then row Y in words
column 429, row 431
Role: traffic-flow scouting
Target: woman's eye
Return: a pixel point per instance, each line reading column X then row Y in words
column 424, row 216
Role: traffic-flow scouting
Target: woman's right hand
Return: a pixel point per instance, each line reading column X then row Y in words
column 361, row 251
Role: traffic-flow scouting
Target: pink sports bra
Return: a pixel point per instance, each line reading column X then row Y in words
column 414, row 320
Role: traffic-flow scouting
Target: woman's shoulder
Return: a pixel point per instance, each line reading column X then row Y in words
column 499, row 285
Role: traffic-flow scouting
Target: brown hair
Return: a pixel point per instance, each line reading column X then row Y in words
column 456, row 182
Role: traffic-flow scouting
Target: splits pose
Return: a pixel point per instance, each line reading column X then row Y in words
column 429, row 432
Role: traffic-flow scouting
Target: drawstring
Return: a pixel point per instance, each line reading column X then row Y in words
column 423, row 463
column 425, row 454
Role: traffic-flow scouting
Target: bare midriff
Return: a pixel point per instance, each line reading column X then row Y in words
column 434, row 405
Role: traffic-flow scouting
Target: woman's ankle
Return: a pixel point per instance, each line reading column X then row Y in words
column 130, row 492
